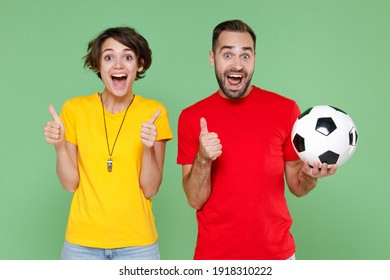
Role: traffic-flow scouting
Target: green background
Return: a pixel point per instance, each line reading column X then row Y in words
column 316, row 52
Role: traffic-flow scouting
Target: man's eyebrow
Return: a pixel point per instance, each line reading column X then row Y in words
column 232, row 47
column 247, row 49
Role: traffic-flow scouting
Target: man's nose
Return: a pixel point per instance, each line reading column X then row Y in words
column 237, row 64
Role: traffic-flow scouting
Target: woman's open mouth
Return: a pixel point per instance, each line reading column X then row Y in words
column 119, row 80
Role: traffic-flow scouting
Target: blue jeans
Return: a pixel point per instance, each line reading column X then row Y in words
column 292, row 258
column 76, row 252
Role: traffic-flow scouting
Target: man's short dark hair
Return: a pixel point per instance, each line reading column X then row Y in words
column 235, row 25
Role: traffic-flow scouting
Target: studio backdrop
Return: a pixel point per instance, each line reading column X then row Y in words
column 332, row 52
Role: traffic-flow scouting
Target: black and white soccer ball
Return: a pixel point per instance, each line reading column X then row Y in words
column 324, row 134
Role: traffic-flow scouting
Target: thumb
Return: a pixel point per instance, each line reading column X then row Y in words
column 203, row 126
column 155, row 116
column 53, row 113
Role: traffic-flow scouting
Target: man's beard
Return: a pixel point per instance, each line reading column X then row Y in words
column 233, row 93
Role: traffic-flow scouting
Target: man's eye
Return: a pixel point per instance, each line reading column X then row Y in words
column 245, row 56
column 227, row 55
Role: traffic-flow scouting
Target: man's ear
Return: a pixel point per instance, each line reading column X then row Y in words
column 211, row 57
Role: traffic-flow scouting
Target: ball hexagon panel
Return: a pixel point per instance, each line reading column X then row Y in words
column 353, row 136
column 299, row 143
column 325, row 126
column 329, row 157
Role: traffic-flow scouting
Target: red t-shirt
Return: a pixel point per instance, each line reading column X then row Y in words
column 246, row 216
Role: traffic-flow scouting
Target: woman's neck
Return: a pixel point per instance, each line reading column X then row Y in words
column 116, row 104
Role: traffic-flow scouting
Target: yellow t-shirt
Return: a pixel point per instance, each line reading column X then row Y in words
column 109, row 209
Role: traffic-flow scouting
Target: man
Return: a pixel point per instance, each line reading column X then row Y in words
column 235, row 150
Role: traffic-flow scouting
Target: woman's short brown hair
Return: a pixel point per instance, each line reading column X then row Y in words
column 126, row 36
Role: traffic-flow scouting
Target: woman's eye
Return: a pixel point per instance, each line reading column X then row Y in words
column 128, row 57
column 108, row 57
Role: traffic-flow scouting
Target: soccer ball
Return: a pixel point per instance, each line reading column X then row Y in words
column 324, row 134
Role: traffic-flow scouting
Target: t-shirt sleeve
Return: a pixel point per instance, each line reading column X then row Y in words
column 289, row 152
column 188, row 138
column 67, row 117
column 162, row 124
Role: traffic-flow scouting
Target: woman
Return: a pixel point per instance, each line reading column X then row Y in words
column 110, row 149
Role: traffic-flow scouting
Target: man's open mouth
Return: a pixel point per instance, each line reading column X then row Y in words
column 234, row 79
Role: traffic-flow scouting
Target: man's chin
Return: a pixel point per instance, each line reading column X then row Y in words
column 233, row 93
